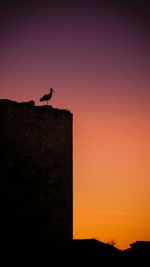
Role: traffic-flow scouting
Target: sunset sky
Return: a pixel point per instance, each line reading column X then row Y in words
column 97, row 59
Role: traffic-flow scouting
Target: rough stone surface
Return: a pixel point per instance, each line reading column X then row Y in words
column 36, row 169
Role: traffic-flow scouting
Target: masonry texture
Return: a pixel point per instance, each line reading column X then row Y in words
column 36, row 186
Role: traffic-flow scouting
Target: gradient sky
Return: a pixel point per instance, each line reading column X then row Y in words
column 97, row 59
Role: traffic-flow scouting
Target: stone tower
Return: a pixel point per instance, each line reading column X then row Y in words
column 36, row 184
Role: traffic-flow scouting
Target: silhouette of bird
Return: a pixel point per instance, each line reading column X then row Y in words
column 47, row 97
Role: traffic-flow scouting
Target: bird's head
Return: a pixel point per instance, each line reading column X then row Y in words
column 51, row 90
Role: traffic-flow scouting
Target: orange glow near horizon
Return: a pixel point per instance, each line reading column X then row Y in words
column 111, row 176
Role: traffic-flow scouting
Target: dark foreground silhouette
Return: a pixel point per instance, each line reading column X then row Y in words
column 37, row 193
column 19, row 250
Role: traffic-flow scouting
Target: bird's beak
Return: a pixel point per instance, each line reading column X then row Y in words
column 53, row 91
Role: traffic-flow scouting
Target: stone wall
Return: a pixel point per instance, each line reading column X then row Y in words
column 36, row 184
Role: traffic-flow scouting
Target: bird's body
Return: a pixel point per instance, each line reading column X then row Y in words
column 47, row 97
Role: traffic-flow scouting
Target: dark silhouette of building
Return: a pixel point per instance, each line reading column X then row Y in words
column 138, row 250
column 36, row 170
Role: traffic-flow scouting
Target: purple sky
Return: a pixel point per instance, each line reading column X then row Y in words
column 83, row 47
